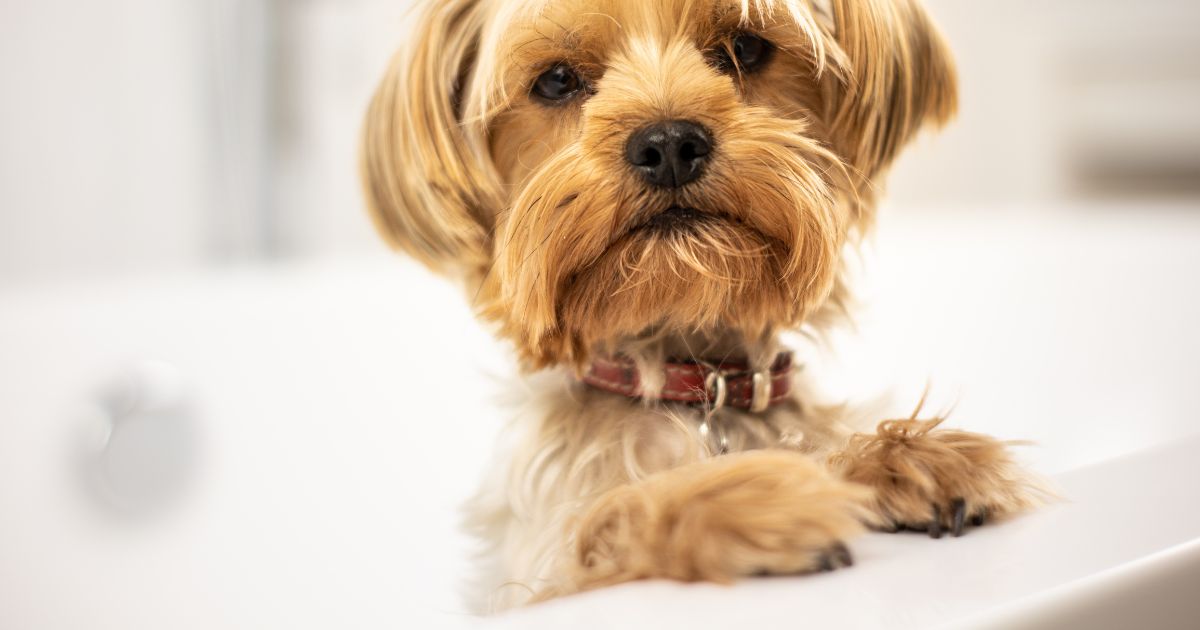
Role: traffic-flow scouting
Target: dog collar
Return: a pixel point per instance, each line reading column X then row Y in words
column 716, row 385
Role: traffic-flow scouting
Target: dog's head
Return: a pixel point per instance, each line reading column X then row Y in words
column 602, row 169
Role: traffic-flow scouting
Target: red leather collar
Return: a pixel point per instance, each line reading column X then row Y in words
column 729, row 384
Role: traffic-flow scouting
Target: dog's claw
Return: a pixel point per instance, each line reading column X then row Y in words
column 957, row 513
column 836, row 557
column 960, row 515
column 842, row 555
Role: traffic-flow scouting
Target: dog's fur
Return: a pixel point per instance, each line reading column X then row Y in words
column 534, row 209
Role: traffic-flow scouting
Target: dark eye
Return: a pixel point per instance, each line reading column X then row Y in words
column 557, row 83
column 749, row 53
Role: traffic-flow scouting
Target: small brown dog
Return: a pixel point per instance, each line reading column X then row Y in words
column 643, row 194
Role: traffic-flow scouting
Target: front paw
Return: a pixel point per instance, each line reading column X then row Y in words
column 936, row 480
column 757, row 513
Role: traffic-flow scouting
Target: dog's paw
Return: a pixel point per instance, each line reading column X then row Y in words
column 756, row 513
column 936, row 480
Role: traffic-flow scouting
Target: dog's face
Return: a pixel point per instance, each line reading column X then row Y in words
column 604, row 169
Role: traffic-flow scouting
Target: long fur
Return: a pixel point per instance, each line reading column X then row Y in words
column 534, row 209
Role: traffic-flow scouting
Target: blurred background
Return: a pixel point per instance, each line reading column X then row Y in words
column 223, row 404
column 175, row 133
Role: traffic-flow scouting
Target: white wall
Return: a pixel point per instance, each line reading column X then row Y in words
column 1064, row 100
column 103, row 154
column 331, row 55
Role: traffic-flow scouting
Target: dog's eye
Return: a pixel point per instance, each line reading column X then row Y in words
column 751, row 51
column 746, row 53
column 557, row 83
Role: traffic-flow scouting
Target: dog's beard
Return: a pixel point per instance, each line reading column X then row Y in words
column 585, row 258
column 677, row 273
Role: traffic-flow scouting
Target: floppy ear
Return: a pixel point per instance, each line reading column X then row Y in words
column 899, row 75
column 427, row 176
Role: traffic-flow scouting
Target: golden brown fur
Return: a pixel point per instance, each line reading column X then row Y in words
column 919, row 473
column 757, row 512
column 533, row 207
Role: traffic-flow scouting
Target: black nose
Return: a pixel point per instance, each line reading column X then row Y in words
column 669, row 154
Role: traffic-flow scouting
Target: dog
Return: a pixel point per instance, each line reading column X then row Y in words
column 642, row 196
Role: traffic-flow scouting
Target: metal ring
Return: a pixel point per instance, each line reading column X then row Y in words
column 716, row 381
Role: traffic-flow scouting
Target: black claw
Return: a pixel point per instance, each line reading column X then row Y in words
column 960, row 515
column 842, row 555
column 935, row 525
column 826, row 563
column 980, row 517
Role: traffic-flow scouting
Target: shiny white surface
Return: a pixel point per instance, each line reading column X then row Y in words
column 333, row 448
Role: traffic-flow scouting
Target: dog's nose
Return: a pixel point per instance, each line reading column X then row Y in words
column 669, row 154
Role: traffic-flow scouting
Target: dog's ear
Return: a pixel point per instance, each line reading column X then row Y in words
column 427, row 175
column 900, row 76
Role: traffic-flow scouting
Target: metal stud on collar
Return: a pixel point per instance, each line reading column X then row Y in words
column 760, row 397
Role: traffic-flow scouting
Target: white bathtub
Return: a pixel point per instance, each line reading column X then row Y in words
column 326, row 448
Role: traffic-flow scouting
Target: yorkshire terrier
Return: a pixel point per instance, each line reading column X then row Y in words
column 641, row 195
